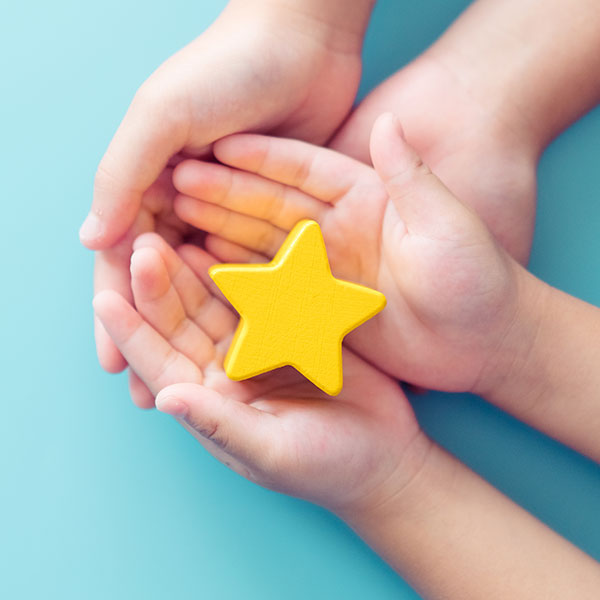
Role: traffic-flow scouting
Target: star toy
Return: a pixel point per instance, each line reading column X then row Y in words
column 293, row 311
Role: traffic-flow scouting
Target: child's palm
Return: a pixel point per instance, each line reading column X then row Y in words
column 445, row 280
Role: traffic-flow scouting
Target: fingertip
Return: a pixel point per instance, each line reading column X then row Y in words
column 106, row 300
column 387, row 142
column 168, row 256
column 223, row 145
column 115, row 313
column 395, row 161
column 190, row 401
column 185, row 174
column 145, row 259
column 149, row 239
column 245, row 147
column 149, row 275
column 91, row 231
column 170, row 402
column 104, row 227
column 389, row 121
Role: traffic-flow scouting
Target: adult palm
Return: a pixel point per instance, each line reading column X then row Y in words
column 476, row 144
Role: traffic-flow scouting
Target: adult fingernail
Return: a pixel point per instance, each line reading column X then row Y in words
column 91, row 228
column 171, row 406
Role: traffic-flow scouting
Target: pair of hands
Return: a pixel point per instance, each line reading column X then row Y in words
column 304, row 90
column 452, row 297
column 370, row 423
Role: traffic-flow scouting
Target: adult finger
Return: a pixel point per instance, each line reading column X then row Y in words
column 151, row 132
column 140, row 394
column 240, row 430
column 111, row 271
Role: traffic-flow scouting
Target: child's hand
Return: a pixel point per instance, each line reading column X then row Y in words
column 452, row 292
column 278, row 429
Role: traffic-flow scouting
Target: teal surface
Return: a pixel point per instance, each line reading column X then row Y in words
column 100, row 500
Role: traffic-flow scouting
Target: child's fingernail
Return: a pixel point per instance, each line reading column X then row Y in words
column 398, row 125
column 171, row 406
column 91, row 228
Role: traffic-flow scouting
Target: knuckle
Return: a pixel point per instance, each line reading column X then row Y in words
column 265, row 240
column 106, row 177
column 214, row 431
column 163, row 376
column 304, row 170
column 223, row 225
column 275, row 206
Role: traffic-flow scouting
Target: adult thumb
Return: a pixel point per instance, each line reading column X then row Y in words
column 137, row 154
column 236, row 428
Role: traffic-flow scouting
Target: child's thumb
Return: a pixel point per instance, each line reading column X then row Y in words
column 419, row 196
column 234, row 427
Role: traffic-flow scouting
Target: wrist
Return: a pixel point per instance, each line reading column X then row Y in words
column 410, row 527
column 452, row 535
column 488, row 82
column 515, row 373
column 520, row 58
column 397, row 493
column 338, row 24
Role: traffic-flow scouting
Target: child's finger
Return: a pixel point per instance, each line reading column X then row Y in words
column 140, row 394
column 240, row 430
column 155, row 361
column 199, row 261
column 230, row 252
column 158, row 303
column 196, row 292
column 255, row 234
column 246, row 193
column 294, row 163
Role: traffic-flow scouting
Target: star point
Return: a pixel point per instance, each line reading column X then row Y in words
column 293, row 311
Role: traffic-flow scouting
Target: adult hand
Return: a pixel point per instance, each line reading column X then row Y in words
column 477, row 148
column 484, row 101
column 289, row 67
column 347, row 452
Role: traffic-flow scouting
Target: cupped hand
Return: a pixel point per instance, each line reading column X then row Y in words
column 475, row 143
column 261, row 70
column 452, row 292
column 346, row 453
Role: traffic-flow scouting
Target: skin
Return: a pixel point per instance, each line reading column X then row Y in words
column 483, row 102
column 310, row 84
column 462, row 315
column 438, row 524
column 278, row 429
column 479, row 106
column 202, row 93
column 411, row 239
column 479, row 121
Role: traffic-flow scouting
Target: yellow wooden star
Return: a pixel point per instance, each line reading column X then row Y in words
column 293, row 311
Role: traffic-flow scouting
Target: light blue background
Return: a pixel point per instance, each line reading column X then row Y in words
column 100, row 500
